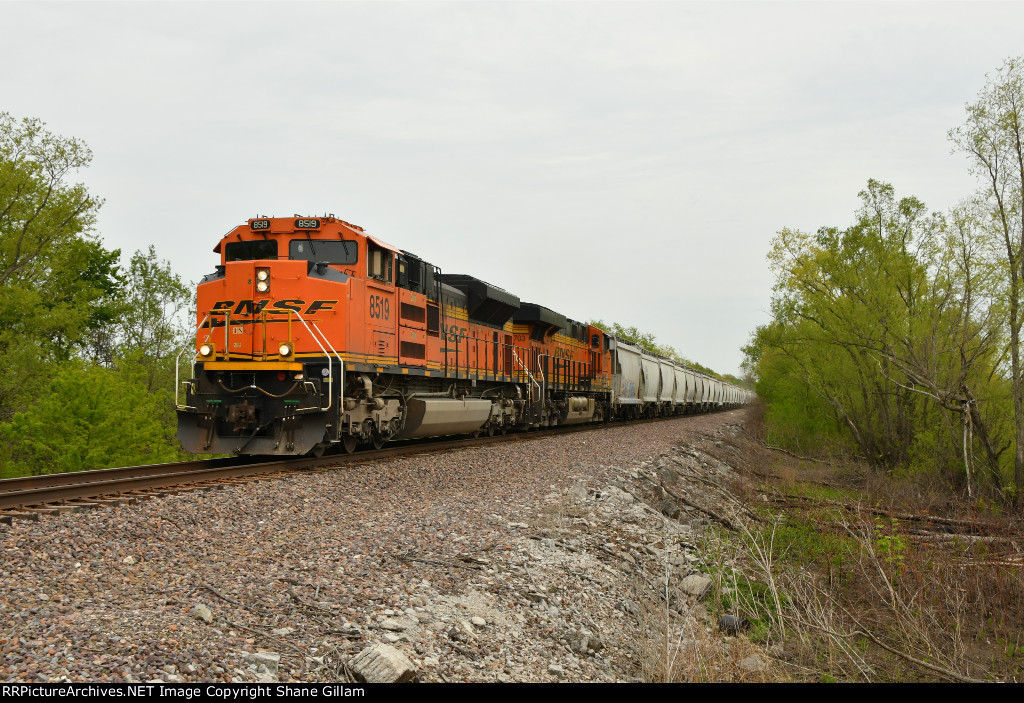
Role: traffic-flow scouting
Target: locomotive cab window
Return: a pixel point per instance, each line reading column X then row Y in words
column 251, row 251
column 380, row 263
column 403, row 273
column 410, row 273
column 324, row 251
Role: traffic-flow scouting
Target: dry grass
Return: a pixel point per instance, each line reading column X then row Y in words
column 685, row 646
column 870, row 578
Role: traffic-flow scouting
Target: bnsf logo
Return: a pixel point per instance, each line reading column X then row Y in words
column 255, row 307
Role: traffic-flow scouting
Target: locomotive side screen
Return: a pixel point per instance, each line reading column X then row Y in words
column 323, row 251
column 250, row 251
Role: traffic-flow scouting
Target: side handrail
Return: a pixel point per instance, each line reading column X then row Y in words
column 330, row 363
column 177, row 363
column 515, row 357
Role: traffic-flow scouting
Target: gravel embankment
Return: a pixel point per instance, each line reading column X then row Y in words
column 499, row 563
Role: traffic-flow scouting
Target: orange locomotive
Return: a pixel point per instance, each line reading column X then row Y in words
column 312, row 334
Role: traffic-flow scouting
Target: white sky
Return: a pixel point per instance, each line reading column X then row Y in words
column 627, row 161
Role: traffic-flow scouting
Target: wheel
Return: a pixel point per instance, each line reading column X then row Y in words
column 378, row 440
column 348, row 443
column 504, row 430
column 490, row 430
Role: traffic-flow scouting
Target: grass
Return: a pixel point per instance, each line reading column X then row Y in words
column 845, row 574
column 822, row 493
column 862, row 596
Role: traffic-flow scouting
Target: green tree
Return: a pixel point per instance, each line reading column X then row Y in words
column 88, row 349
column 57, row 283
column 39, row 211
column 889, row 323
column 992, row 138
column 88, row 417
column 152, row 327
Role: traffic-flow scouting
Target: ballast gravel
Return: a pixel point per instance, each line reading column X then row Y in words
column 474, row 564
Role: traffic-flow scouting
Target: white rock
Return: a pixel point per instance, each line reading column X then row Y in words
column 201, row 612
column 271, row 660
column 467, row 628
column 128, row 560
column 382, row 663
column 617, row 494
column 696, row 584
column 478, row 621
column 397, row 624
column 752, row 664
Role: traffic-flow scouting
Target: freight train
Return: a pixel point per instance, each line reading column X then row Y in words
column 313, row 335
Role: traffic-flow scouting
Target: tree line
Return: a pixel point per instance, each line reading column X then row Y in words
column 88, row 345
column 897, row 338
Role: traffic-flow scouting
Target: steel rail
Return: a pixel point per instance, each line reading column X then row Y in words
column 50, row 489
column 24, row 483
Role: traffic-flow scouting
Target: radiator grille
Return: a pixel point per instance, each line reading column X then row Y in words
column 412, row 349
column 412, row 312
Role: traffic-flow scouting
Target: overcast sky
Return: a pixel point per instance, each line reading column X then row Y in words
column 624, row 161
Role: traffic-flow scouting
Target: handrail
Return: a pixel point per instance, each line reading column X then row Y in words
column 529, row 375
column 177, row 362
column 341, row 361
column 544, row 378
column 330, row 364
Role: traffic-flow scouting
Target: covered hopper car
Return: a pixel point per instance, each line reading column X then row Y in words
column 313, row 334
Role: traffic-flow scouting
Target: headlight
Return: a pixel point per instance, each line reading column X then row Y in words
column 285, row 349
column 262, row 274
column 262, row 286
column 205, row 350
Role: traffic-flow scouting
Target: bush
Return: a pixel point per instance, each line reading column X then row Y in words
column 88, row 417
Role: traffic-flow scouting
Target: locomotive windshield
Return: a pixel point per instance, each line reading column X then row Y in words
column 248, row 251
column 324, row 251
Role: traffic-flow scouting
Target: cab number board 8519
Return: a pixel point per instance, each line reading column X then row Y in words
column 380, row 307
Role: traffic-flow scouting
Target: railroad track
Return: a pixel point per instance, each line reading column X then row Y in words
column 29, row 497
